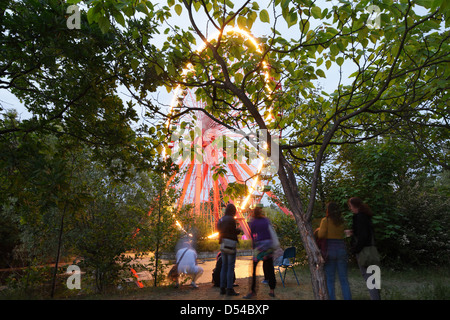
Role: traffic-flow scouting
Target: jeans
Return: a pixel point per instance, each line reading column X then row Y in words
column 337, row 261
column 227, row 272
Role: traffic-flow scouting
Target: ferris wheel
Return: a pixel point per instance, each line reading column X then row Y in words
column 201, row 148
column 202, row 188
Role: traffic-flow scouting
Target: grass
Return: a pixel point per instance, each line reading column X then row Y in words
column 408, row 284
column 411, row 284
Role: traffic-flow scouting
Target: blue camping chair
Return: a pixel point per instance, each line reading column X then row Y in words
column 286, row 263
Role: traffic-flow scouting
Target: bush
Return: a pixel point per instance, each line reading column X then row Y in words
column 288, row 234
column 208, row 245
column 212, row 245
column 407, row 194
column 425, row 220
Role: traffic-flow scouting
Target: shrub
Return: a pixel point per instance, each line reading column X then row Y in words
column 208, row 245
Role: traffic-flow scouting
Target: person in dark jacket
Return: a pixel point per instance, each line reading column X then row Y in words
column 228, row 230
column 362, row 233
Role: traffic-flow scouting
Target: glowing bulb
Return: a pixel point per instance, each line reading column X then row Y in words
column 214, row 235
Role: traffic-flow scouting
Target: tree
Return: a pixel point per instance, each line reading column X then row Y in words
column 115, row 222
column 399, row 79
column 68, row 80
column 64, row 203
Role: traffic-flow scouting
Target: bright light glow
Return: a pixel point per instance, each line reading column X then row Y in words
column 231, row 30
column 214, row 235
column 253, row 186
column 190, row 67
column 178, row 224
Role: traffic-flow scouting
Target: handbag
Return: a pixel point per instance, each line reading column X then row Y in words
column 323, row 245
column 228, row 246
column 368, row 256
column 274, row 237
column 173, row 272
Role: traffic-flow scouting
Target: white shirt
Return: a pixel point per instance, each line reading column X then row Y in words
column 187, row 264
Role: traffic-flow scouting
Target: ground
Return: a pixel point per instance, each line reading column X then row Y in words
column 206, row 290
column 420, row 283
column 401, row 283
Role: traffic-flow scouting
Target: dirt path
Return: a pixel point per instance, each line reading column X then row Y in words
column 243, row 269
column 206, row 290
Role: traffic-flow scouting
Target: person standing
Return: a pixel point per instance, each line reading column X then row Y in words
column 228, row 232
column 332, row 229
column 362, row 235
column 263, row 251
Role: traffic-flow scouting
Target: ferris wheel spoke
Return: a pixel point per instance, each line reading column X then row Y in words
column 187, row 178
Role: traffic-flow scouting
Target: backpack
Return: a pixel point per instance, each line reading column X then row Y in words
column 173, row 272
column 216, row 271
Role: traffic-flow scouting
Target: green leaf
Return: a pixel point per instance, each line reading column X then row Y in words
column 425, row 3
column 242, row 22
column 304, row 26
column 328, row 64
column 158, row 69
column 135, row 34
column 251, row 17
column 320, row 73
column 316, row 12
column 178, row 9
column 319, row 61
column 339, row 61
column 334, row 50
column 119, row 18
column 134, row 64
column 104, row 24
column 238, row 78
column 197, row 5
column 291, row 19
column 229, row 3
column 142, row 8
column 264, row 16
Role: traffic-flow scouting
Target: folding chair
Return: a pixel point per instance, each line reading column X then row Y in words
column 286, row 263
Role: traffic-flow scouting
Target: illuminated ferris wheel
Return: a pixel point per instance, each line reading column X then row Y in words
column 201, row 147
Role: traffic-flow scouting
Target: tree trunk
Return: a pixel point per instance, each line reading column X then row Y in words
column 155, row 274
column 58, row 252
column 315, row 260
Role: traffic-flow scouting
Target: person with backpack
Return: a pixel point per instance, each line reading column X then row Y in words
column 363, row 237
